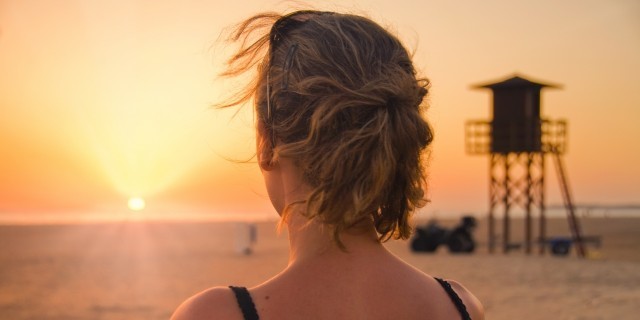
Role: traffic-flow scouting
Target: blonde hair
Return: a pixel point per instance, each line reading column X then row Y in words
column 347, row 106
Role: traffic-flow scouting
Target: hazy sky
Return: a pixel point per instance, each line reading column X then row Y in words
column 103, row 100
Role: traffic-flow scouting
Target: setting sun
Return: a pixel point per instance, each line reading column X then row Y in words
column 136, row 203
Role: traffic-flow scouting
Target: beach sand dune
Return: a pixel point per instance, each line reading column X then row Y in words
column 143, row 270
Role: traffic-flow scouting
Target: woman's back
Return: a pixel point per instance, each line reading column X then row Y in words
column 368, row 282
column 383, row 289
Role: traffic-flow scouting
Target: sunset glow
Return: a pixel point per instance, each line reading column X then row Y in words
column 102, row 100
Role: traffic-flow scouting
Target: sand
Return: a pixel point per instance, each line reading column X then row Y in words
column 143, row 270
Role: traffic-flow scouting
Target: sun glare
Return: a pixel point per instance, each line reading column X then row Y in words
column 136, row 203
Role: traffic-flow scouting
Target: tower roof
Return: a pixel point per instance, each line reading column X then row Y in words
column 515, row 81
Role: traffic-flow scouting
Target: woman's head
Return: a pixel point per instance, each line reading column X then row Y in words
column 338, row 95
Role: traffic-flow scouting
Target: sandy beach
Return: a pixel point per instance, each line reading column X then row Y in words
column 143, row 270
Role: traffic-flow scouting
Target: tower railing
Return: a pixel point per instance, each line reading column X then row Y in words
column 480, row 137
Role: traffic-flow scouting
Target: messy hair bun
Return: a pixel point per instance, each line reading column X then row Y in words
column 347, row 106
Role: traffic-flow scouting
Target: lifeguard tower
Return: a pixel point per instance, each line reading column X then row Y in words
column 517, row 139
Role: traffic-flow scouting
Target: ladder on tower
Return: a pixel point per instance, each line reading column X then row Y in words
column 568, row 203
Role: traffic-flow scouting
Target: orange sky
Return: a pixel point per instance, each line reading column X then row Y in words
column 102, row 100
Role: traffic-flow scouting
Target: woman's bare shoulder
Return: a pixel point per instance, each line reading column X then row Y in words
column 473, row 305
column 213, row 303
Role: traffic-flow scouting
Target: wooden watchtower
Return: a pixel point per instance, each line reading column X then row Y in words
column 517, row 139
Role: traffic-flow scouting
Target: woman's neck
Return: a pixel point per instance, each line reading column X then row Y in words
column 312, row 239
column 309, row 240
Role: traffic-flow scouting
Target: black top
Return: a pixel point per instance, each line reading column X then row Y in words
column 249, row 309
column 245, row 302
column 455, row 298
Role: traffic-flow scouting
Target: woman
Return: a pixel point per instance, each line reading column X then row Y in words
column 340, row 142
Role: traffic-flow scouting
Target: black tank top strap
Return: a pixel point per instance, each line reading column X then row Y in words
column 245, row 302
column 455, row 298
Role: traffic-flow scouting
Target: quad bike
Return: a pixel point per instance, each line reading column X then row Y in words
column 459, row 240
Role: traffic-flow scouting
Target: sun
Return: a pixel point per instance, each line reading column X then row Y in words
column 136, row 203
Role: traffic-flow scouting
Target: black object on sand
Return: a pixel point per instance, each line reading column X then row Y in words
column 458, row 240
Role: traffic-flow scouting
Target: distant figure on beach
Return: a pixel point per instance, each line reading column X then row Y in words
column 245, row 237
column 341, row 142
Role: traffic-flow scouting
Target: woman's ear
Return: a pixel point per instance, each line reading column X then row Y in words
column 264, row 149
column 265, row 156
